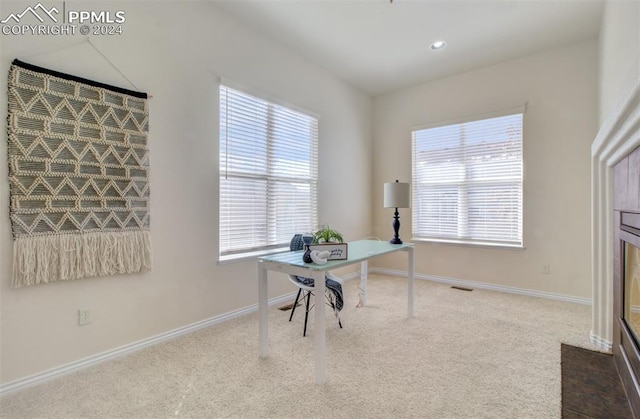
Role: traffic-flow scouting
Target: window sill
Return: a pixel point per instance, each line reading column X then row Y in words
column 484, row 245
column 244, row 257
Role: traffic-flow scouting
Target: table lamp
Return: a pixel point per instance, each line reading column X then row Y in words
column 396, row 195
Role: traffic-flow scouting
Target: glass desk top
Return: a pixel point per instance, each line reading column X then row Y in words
column 357, row 252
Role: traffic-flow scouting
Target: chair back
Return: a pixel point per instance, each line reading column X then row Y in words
column 299, row 284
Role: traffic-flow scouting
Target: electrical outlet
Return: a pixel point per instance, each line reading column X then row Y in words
column 546, row 270
column 84, row 316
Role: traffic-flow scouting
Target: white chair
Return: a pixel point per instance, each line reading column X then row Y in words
column 307, row 291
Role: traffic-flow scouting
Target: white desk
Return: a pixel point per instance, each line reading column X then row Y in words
column 291, row 263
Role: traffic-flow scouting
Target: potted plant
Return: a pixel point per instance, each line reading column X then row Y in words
column 326, row 234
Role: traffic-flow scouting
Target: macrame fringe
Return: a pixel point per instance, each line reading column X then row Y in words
column 43, row 259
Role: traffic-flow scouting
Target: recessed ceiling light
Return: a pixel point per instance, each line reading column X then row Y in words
column 438, row 45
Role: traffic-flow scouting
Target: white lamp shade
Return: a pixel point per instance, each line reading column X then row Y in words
column 396, row 195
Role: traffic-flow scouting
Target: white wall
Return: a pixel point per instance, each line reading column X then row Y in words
column 175, row 51
column 560, row 89
column 619, row 61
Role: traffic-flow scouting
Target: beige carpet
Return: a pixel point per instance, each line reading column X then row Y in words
column 476, row 354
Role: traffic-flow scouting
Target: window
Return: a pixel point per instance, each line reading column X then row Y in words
column 467, row 182
column 268, row 174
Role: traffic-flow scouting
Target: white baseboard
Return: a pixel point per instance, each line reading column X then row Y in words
column 71, row 367
column 601, row 343
column 352, row 275
column 487, row 286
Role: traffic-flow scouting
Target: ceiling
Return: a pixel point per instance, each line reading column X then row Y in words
column 381, row 46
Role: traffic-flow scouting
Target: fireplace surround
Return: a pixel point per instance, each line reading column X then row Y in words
column 618, row 136
column 626, row 275
column 614, row 192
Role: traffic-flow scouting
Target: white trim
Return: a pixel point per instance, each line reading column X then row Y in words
column 616, row 138
column 44, row 376
column 487, row 286
column 352, row 275
column 249, row 256
column 600, row 343
column 260, row 94
column 482, row 244
column 522, row 109
column 111, row 354
column 108, row 355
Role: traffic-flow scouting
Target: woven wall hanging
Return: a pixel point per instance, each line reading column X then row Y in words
column 78, row 175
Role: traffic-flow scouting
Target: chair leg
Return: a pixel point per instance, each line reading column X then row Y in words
column 333, row 306
column 306, row 314
column 295, row 304
column 307, row 296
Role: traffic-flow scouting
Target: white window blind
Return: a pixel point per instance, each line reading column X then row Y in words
column 268, row 173
column 467, row 182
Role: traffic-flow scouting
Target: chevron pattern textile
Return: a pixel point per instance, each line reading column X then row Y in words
column 78, row 176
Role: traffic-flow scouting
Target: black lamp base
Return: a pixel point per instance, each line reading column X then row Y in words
column 396, row 227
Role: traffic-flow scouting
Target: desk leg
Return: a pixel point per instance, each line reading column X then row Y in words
column 263, row 310
column 320, row 327
column 411, row 281
column 362, row 289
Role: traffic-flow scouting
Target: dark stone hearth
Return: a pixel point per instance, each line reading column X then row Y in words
column 591, row 386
